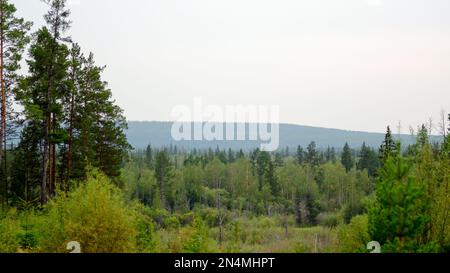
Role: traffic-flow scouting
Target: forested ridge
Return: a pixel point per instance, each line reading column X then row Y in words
column 74, row 177
column 141, row 133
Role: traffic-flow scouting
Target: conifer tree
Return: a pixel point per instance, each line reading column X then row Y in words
column 368, row 160
column 388, row 147
column 347, row 159
column 41, row 95
column 163, row 174
column 399, row 219
column 70, row 108
column 13, row 40
column 312, row 156
column 300, row 156
column 149, row 157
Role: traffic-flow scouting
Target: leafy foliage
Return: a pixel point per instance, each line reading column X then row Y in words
column 94, row 215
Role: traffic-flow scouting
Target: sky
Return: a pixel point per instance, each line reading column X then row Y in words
column 347, row 64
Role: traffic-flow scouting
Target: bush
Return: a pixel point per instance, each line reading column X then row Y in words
column 351, row 210
column 197, row 238
column 172, row 222
column 330, row 220
column 147, row 239
column 94, row 215
column 354, row 237
column 8, row 233
column 27, row 240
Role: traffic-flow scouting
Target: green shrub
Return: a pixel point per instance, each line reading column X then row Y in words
column 172, row 222
column 197, row 238
column 187, row 218
column 27, row 240
column 95, row 215
column 8, row 233
column 330, row 220
column 354, row 237
column 147, row 239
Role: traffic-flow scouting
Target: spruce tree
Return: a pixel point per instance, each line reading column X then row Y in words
column 388, row 147
column 149, row 157
column 368, row 160
column 312, row 156
column 163, row 174
column 347, row 159
column 300, row 156
column 262, row 166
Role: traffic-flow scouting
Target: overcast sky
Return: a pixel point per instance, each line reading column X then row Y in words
column 347, row 64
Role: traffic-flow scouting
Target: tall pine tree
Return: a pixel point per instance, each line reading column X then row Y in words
column 13, row 40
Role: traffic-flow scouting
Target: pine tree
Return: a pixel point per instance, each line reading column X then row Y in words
column 328, row 155
column 300, row 156
column 422, row 136
column 279, row 162
column 70, row 108
column 388, row 147
column 399, row 217
column 149, row 157
column 312, row 156
column 26, row 171
column 231, row 157
column 109, row 125
column 446, row 145
column 347, row 159
column 272, row 180
column 13, row 40
column 45, row 88
column 71, row 102
column 41, row 94
column 263, row 161
column 163, row 174
column 368, row 160
column 241, row 154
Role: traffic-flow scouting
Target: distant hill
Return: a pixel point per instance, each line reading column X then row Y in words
column 158, row 134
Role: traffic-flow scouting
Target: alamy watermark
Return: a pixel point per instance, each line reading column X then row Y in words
column 230, row 123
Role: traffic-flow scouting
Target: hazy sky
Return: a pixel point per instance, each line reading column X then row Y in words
column 348, row 64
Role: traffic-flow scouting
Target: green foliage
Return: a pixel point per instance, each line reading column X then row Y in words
column 197, row 238
column 347, row 159
column 163, row 174
column 8, row 232
column 388, row 147
column 94, row 215
column 147, row 240
column 312, row 156
column 70, row 120
column 354, row 237
column 330, row 220
column 300, row 156
column 398, row 219
column 368, row 160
